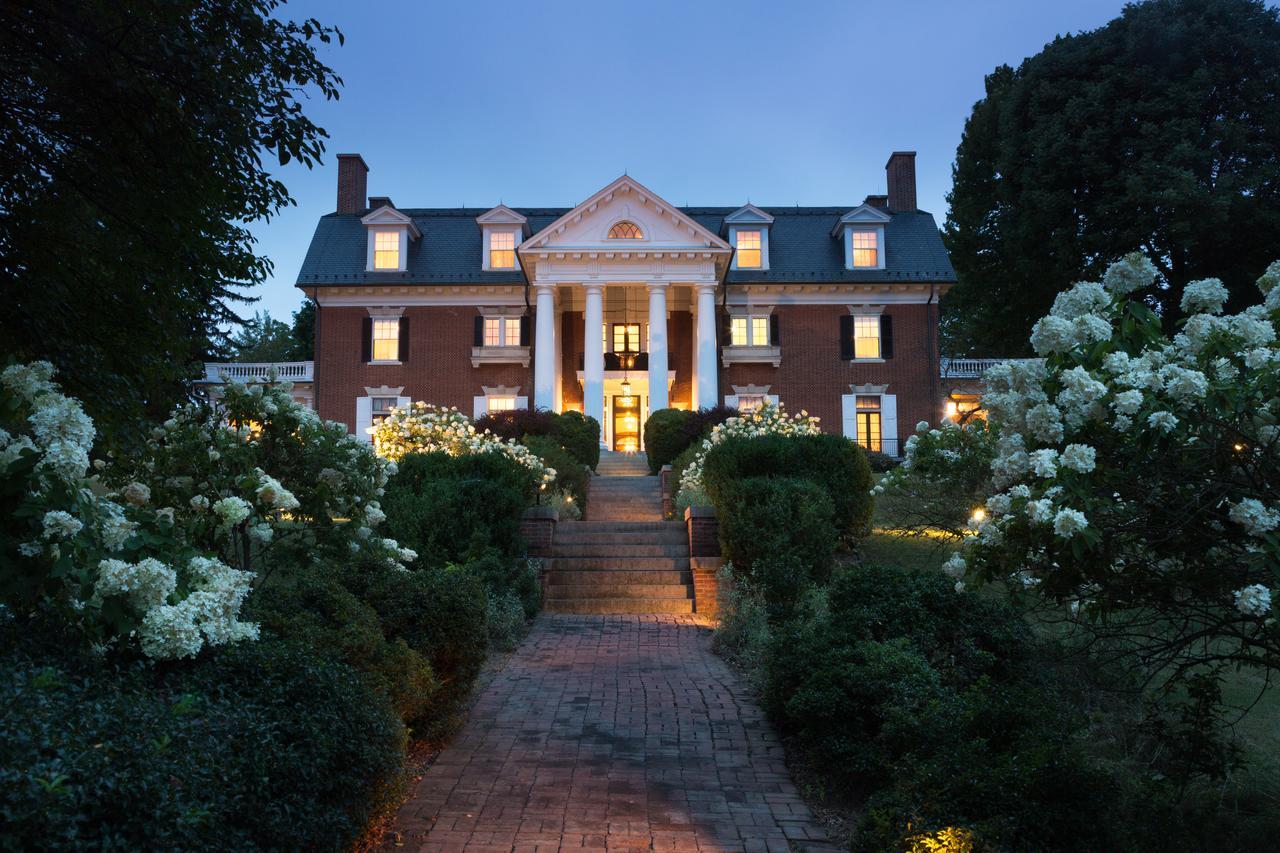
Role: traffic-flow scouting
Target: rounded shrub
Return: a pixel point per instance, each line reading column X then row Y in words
column 571, row 475
column 580, row 435
column 765, row 518
column 515, row 424
column 666, row 434
column 258, row 745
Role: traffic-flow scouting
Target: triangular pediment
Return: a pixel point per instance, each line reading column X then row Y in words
column 389, row 216
column 501, row 215
column 748, row 214
column 863, row 214
column 662, row 227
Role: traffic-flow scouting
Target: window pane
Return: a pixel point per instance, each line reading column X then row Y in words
column 625, row 231
column 502, row 254
column 750, row 402
column 492, row 331
column 760, row 331
column 866, row 336
column 748, row 249
column 501, row 404
column 386, row 250
column 738, row 331
column 386, row 339
column 869, row 428
column 381, row 407
column 626, row 337
column 869, row 403
column 865, row 249
column 511, row 331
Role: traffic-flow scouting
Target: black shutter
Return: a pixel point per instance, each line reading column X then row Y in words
column 886, row 336
column 773, row 330
column 404, row 339
column 366, row 340
column 478, row 338
column 726, row 330
column 846, row 337
column 524, row 331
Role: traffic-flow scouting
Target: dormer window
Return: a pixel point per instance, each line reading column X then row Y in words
column 502, row 250
column 866, row 248
column 625, row 230
column 748, row 245
column 386, row 250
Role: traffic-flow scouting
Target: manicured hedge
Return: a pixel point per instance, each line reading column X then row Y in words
column 575, row 432
column 572, row 476
column 451, row 508
column 263, row 745
column 666, row 435
column 837, row 465
column 580, row 435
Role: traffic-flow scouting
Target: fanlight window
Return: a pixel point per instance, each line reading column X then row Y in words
column 625, row 231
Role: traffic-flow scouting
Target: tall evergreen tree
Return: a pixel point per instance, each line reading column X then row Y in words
column 137, row 139
column 1159, row 131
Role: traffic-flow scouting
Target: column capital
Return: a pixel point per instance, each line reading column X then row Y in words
column 544, row 286
column 705, row 286
column 658, row 286
column 593, row 286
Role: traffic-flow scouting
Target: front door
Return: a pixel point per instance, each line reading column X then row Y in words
column 626, row 422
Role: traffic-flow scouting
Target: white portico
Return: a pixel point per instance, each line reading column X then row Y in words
column 623, row 258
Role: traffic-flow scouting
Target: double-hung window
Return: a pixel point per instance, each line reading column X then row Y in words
column 750, row 402
column 626, row 337
column 500, row 404
column 386, row 250
column 502, row 250
column 380, row 407
column 386, row 339
column 868, row 422
column 502, row 331
column 866, row 336
column 747, row 331
column 748, row 246
column 866, row 251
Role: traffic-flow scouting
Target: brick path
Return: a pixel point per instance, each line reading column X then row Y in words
column 611, row 733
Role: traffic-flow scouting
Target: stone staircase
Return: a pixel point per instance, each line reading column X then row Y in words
column 623, row 558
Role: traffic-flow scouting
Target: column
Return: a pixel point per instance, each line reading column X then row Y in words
column 593, row 355
column 544, row 343
column 708, row 392
column 657, row 346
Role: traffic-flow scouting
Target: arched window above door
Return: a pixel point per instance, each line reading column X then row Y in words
column 625, row 230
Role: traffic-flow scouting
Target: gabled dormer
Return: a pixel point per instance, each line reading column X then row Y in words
column 501, row 231
column 862, row 230
column 389, row 234
column 747, row 230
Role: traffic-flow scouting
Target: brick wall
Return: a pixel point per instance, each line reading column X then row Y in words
column 813, row 377
column 438, row 369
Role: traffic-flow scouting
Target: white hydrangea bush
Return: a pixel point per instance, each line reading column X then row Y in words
column 259, row 479
column 426, row 428
column 1135, row 474
column 112, row 564
column 768, row 419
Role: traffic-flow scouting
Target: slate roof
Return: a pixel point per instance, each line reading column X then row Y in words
column 801, row 248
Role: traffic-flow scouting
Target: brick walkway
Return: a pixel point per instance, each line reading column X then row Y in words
column 611, row 733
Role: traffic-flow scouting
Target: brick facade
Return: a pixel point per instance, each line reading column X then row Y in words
column 438, row 369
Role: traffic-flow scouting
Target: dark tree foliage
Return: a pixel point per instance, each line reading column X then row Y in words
column 1158, row 132
column 304, row 332
column 137, row 140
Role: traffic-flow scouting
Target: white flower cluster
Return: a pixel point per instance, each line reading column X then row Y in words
column 206, row 616
column 766, row 420
column 425, row 428
column 63, row 434
column 1253, row 600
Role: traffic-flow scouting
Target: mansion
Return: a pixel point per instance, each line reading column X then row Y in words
column 626, row 304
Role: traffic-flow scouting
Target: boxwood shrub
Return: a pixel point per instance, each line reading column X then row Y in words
column 666, row 434
column 580, row 435
column 259, row 745
column 574, row 431
column 571, row 475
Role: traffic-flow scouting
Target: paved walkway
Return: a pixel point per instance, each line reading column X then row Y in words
column 611, row 733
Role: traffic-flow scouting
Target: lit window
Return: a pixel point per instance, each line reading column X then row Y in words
column 500, row 404
column 748, row 249
column 386, row 250
column 865, row 249
column 386, row 339
column 866, row 336
column 511, row 331
column 868, row 427
column 502, row 250
column 750, row 402
column 502, row 331
column 625, row 231
column 492, row 331
column 381, row 407
column 749, row 331
column 626, row 337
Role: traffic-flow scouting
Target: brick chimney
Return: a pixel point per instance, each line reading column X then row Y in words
column 900, row 173
column 377, row 201
column 353, row 181
column 880, row 201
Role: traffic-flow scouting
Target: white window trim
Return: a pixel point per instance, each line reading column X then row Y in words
column 888, row 416
column 487, row 259
column 867, row 311
column 764, row 245
column 384, row 314
column 403, row 254
column 480, row 404
column 848, row 246
column 364, row 408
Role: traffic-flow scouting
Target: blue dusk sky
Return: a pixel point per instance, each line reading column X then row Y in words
column 541, row 104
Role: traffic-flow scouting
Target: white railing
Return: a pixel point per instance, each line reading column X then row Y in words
column 966, row 368
column 246, row 371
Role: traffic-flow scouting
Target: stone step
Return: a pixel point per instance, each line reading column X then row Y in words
column 604, row 606
column 620, row 537
column 605, row 515
column 636, row 564
column 603, row 527
column 619, row 549
column 586, row 577
column 618, row 590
